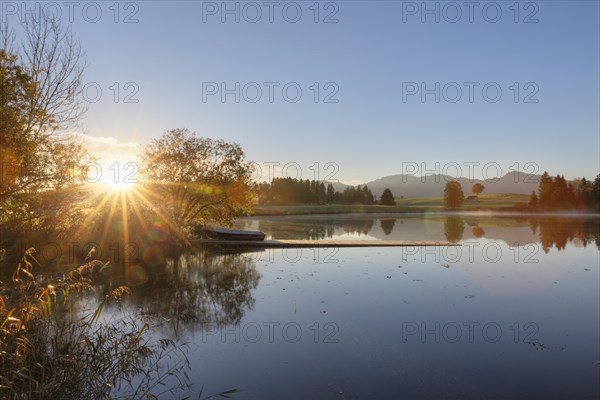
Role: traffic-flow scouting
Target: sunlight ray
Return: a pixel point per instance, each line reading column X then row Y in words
column 125, row 221
column 109, row 219
column 135, row 207
column 177, row 230
column 91, row 215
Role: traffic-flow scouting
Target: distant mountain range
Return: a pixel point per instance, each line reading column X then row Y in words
column 433, row 185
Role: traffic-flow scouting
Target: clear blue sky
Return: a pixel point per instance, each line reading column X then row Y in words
column 373, row 49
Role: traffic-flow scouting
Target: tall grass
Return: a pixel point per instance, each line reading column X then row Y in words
column 49, row 350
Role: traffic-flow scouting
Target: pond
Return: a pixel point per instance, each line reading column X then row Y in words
column 512, row 313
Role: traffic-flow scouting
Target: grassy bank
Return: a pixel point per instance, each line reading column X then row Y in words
column 487, row 202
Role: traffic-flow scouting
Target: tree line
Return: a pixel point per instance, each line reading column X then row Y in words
column 553, row 194
column 558, row 193
column 288, row 191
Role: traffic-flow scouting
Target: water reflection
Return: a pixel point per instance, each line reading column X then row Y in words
column 477, row 231
column 201, row 288
column 236, row 312
column 549, row 231
column 195, row 289
column 309, row 227
column 557, row 233
column 387, row 225
column 454, row 229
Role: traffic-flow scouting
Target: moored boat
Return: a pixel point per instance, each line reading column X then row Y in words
column 230, row 234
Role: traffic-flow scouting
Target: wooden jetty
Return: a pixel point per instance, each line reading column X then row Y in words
column 319, row 243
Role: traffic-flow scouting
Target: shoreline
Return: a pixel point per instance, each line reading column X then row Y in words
column 282, row 211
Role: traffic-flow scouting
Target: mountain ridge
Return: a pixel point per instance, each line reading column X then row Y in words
column 412, row 186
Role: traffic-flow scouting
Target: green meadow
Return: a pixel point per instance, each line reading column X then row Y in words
column 486, row 202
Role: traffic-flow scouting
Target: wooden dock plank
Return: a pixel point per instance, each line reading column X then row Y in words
column 323, row 243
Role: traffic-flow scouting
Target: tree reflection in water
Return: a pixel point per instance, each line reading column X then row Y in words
column 199, row 288
column 454, row 228
column 552, row 231
column 387, row 225
column 557, row 232
column 313, row 228
column 477, row 231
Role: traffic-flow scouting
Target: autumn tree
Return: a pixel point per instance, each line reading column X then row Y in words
column 584, row 190
column 40, row 102
column 387, row 198
column 195, row 180
column 595, row 192
column 41, row 81
column 533, row 200
column 477, row 188
column 15, row 88
column 587, row 192
column 545, row 190
column 453, row 195
column 558, row 193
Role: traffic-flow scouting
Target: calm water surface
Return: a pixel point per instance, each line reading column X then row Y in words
column 513, row 313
